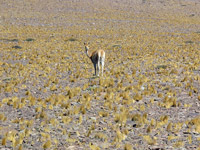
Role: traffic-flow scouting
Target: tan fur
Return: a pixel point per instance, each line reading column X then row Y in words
column 97, row 57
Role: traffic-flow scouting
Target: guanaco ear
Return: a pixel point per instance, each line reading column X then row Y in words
column 86, row 43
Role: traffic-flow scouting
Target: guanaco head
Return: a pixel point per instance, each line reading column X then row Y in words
column 86, row 46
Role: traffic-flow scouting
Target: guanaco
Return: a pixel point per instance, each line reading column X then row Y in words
column 97, row 57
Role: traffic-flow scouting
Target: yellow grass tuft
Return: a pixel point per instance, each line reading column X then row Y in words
column 128, row 147
column 47, row 145
column 149, row 140
column 178, row 144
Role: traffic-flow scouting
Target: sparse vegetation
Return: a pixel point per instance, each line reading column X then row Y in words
column 30, row 39
column 148, row 97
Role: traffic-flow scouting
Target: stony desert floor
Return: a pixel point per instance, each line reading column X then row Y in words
column 148, row 97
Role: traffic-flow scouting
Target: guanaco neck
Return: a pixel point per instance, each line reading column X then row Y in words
column 86, row 51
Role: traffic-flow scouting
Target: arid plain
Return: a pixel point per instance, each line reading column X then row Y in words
column 148, row 98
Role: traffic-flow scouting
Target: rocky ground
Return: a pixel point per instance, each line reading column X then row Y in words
column 148, row 97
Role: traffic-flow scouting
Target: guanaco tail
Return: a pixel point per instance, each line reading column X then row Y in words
column 97, row 57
